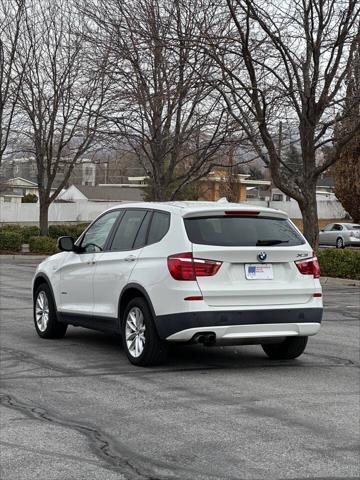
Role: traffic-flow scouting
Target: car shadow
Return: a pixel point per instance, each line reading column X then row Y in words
column 181, row 357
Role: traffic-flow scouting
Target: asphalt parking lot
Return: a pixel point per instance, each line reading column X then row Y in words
column 76, row 409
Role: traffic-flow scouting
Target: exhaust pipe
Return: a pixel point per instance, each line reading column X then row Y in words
column 208, row 338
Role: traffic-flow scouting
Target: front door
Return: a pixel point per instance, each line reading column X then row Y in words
column 76, row 275
column 325, row 235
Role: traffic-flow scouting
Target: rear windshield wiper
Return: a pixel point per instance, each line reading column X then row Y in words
column 262, row 243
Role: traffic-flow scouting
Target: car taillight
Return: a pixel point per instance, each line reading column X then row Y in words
column 310, row 266
column 236, row 213
column 183, row 266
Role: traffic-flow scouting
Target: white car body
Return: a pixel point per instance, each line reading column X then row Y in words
column 91, row 289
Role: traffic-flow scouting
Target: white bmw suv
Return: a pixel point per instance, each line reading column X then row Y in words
column 210, row 273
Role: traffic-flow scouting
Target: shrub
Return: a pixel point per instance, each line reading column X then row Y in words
column 56, row 231
column 28, row 232
column 80, row 227
column 10, row 241
column 339, row 263
column 24, row 232
column 11, row 228
column 29, row 198
column 45, row 245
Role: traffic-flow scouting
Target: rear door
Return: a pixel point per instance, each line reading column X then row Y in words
column 334, row 234
column 257, row 254
column 113, row 267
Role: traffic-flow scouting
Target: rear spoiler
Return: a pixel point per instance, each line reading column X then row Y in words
column 233, row 212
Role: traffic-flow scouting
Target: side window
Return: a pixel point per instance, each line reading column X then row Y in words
column 336, row 227
column 159, row 226
column 140, row 240
column 95, row 238
column 328, row 227
column 127, row 230
column 277, row 197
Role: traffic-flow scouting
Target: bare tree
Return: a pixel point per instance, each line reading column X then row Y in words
column 282, row 67
column 171, row 118
column 346, row 170
column 60, row 98
column 11, row 23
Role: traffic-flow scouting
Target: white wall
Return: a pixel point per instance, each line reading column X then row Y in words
column 58, row 212
column 327, row 209
column 10, row 199
column 87, row 211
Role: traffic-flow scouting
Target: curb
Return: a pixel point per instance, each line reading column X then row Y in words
column 22, row 257
column 339, row 281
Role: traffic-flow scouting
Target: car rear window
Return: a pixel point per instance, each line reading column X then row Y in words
column 352, row 227
column 242, row 231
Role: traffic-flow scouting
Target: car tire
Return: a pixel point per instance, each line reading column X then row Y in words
column 291, row 347
column 340, row 243
column 141, row 341
column 45, row 318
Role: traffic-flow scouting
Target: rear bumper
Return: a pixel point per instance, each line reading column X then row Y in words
column 354, row 242
column 240, row 324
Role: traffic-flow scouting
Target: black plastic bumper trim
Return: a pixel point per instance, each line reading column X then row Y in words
column 103, row 324
column 169, row 324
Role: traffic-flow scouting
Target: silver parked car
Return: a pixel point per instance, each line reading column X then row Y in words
column 340, row 235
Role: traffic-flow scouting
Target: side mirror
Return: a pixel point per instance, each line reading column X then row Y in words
column 65, row 244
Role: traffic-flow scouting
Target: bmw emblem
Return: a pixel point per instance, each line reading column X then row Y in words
column 262, row 256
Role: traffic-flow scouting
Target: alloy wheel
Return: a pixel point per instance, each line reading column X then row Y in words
column 135, row 332
column 339, row 243
column 42, row 311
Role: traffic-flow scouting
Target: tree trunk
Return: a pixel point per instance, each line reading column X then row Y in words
column 43, row 219
column 308, row 207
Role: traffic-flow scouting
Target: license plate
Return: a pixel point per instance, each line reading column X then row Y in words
column 259, row 271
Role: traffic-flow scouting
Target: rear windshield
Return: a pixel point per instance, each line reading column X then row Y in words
column 242, row 231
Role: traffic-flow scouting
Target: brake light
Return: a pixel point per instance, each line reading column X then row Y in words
column 183, row 266
column 310, row 266
column 237, row 213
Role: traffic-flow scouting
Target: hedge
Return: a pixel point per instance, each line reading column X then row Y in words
column 56, row 231
column 11, row 228
column 339, row 263
column 28, row 232
column 45, row 245
column 24, row 232
column 29, row 198
column 10, row 241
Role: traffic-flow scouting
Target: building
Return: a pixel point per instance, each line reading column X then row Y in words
column 19, row 187
column 7, row 196
column 103, row 193
column 324, row 192
column 86, row 171
column 237, row 187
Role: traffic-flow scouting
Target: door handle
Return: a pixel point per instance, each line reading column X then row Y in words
column 130, row 258
column 91, row 262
